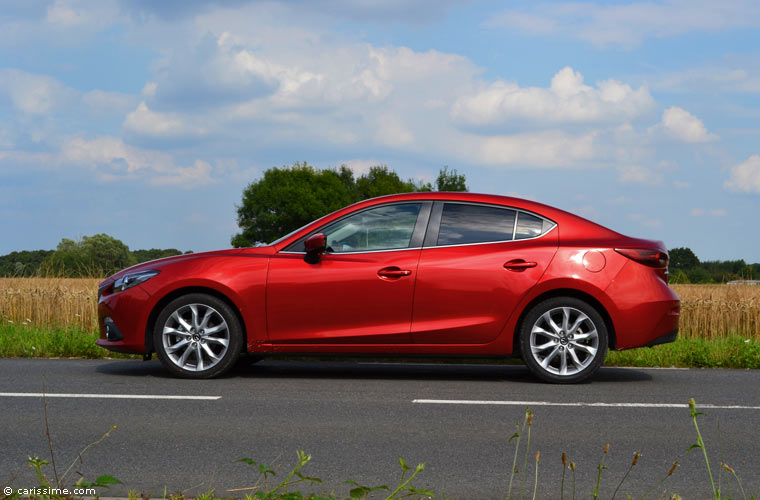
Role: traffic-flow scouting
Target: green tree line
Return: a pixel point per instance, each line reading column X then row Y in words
column 685, row 267
column 98, row 255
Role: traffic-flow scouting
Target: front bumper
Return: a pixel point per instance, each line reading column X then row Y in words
column 122, row 318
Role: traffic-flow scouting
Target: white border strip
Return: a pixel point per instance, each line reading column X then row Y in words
column 104, row 396
column 581, row 404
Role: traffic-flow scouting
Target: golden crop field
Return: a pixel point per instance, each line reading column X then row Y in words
column 707, row 311
column 50, row 301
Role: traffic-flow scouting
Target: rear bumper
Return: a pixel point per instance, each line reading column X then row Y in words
column 664, row 339
column 646, row 310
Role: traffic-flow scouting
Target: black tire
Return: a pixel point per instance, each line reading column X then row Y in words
column 198, row 336
column 563, row 340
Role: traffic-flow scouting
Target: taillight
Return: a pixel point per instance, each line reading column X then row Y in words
column 651, row 257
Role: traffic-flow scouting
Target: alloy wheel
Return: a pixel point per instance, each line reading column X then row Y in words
column 564, row 341
column 195, row 337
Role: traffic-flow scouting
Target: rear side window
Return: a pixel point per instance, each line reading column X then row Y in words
column 462, row 224
column 530, row 226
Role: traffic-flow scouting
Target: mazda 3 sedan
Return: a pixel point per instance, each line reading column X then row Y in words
column 432, row 274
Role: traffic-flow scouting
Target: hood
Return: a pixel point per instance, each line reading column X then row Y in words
column 161, row 263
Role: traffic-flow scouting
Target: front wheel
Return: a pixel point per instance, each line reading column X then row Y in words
column 563, row 340
column 197, row 336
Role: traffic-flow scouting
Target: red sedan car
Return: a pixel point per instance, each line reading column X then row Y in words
column 435, row 274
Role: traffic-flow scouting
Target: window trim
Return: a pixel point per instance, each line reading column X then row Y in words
column 434, row 226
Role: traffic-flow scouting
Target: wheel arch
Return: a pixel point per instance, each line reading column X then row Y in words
column 566, row 292
column 149, row 347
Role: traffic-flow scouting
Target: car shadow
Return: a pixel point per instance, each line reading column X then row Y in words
column 371, row 370
column 133, row 368
column 414, row 370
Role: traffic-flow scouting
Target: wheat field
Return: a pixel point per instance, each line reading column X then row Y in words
column 707, row 311
column 50, row 302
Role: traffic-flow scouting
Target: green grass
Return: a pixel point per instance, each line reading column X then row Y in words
column 732, row 352
column 23, row 341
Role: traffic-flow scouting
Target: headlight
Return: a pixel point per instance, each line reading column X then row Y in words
column 132, row 279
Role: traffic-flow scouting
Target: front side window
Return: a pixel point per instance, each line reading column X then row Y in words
column 462, row 224
column 383, row 228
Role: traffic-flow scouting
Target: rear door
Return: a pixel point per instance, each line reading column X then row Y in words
column 477, row 262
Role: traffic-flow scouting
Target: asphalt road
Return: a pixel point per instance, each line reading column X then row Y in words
column 355, row 419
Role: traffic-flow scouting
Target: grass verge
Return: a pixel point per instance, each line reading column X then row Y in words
column 23, row 341
column 731, row 352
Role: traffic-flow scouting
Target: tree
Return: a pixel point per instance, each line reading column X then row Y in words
column 450, row 180
column 682, row 258
column 380, row 181
column 287, row 198
column 153, row 254
column 96, row 255
column 23, row 263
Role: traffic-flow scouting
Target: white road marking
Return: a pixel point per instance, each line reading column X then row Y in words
column 582, row 404
column 104, row 396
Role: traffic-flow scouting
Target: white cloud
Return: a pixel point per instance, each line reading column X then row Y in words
column 43, row 95
column 567, row 100
column 551, row 149
column 392, row 132
column 143, row 121
column 684, row 126
column 631, row 23
column 34, row 94
column 681, row 184
column 745, row 176
column 636, row 174
column 112, row 159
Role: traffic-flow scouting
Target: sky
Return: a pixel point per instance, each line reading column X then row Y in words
column 146, row 120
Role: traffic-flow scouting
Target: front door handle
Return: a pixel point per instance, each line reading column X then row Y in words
column 393, row 272
column 518, row 265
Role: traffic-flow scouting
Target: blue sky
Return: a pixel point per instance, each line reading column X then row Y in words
column 145, row 120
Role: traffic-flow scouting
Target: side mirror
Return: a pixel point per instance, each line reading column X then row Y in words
column 315, row 246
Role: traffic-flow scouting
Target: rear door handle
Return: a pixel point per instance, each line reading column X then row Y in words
column 518, row 265
column 393, row 272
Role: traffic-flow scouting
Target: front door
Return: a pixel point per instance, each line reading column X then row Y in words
column 360, row 291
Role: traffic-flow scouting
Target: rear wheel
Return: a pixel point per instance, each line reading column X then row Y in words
column 563, row 340
column 198, row 336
